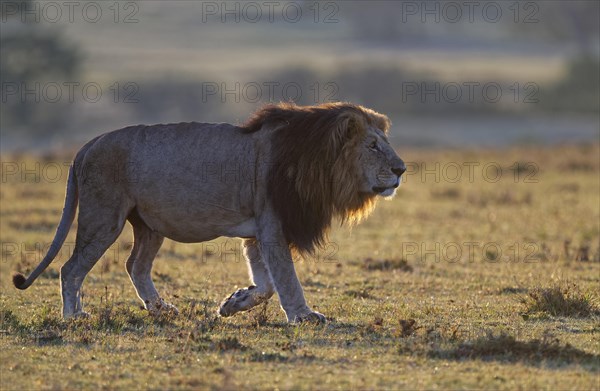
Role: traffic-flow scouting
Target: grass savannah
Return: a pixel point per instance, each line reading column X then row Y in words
column 481, row 272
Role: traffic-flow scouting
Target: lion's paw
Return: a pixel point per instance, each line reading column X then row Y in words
column 160, row 307
column 310, row 317
column 77, row 315
column 241, row 300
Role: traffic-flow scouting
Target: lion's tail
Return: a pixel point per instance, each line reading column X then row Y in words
column 71, row 200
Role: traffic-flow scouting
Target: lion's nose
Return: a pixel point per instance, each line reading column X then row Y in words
column 401, row 169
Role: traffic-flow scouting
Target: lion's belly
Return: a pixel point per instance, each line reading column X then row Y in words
column 191, row 225
column 247, row 229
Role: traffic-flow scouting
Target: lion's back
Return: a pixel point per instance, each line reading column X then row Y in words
column 165, row 148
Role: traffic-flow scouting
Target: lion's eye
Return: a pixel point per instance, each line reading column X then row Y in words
column 374, row 146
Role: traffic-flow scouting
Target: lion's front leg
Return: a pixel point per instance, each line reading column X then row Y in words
column 278, row 258
column 291, row 295
column 261, row 289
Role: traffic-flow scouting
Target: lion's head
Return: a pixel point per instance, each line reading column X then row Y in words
column 328, row 161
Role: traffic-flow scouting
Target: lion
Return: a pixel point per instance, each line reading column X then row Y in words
column 277, row 182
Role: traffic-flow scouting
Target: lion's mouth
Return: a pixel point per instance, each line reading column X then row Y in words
column 382, row 189
column 379, row 189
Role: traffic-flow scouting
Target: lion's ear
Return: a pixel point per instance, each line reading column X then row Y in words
column 384, row 123
column 381, row 121
column 349, row 126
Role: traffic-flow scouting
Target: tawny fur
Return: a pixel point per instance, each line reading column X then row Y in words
column 278, row 181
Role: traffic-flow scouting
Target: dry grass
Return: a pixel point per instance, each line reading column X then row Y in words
column 387, row 264
column 405, row 311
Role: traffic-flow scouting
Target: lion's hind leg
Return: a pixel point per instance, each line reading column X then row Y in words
column 139, row 266
column 96, row 232
column 261, row 290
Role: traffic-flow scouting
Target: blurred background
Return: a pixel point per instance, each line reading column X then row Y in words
column 447, row 73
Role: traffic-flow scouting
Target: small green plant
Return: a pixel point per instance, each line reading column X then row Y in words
column 260, row 316
column 560, row 300
column 9, row 321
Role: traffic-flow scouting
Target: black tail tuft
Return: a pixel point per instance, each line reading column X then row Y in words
column 19, row 281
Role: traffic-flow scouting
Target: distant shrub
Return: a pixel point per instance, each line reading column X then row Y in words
column 578, row 91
